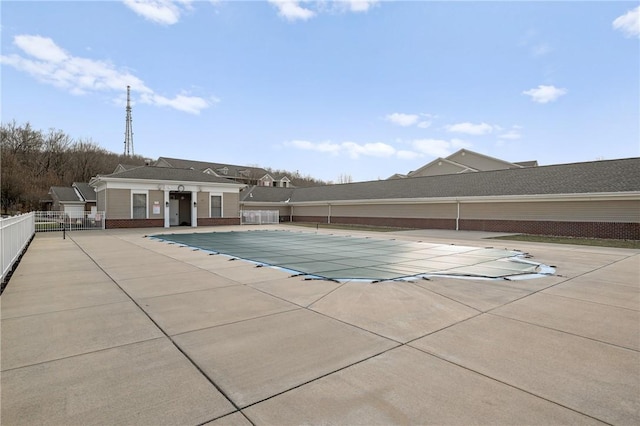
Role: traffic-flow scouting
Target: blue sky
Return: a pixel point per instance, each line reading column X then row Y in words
column 330, row 88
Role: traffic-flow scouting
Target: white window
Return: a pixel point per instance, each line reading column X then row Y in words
column 216, row 206
column 139, row 206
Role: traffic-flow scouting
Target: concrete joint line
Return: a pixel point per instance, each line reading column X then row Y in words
column 197, row 367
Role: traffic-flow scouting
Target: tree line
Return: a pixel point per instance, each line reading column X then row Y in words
column 32, row 161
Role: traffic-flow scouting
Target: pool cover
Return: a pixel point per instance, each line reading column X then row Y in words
column 339, row 258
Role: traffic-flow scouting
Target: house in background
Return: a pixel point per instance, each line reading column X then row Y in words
column 599, row 199
column 123, row 167
column 74, row 200
column 464, row 161
column 151, row 196
column 465, row 191
column 241, row 174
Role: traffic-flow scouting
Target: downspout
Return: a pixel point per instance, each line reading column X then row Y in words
column 458, row 216
column 104, row 219
column 329, row 214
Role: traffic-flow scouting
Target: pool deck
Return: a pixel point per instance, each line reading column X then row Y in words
column 113, row 328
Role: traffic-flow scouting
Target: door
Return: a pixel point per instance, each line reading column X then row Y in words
column 174, row 211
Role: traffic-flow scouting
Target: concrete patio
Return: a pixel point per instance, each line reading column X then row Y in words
column 113, row 328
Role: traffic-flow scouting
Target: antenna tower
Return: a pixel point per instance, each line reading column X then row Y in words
column 128, row 133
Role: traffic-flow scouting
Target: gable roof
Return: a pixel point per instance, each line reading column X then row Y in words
column 121, row 167
column 232, row 170
column 609, row 176
column 532, row 163
column 463, row 161
column 65, row 194
column 465, row 156
column 397, row 176
column 86, row 191
column 166, row 174
column 461, row 167
column 266, row 194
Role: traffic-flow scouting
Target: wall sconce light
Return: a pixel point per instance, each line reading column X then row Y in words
column 166, row 204
column 195, row 204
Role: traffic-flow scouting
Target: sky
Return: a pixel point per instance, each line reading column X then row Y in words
column 335, row 90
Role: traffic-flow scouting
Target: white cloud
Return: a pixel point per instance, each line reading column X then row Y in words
column 439, row 147
column 50, row 64
column 404, row 120
column 356, row 5
column 629, row 23
column 377, row 149
column 328, row 147
column 182, row 102
column 166, row 12
column 40, row 48
column 291, row 10
column 352, row 149
column 544, row 94
column 407, row 155
column 470, row 128
column 511, row 134
column 421, row 120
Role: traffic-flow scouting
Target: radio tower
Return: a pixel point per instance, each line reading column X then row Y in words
column 128, row 133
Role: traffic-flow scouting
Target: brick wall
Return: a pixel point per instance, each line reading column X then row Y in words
column 398, row 222
column 614, row 230
column 218, row 221
column 134, row 223
column 159, row 223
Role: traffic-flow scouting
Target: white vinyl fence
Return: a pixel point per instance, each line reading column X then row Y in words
column 70, row 221
column 15, row 234
column 259, row 217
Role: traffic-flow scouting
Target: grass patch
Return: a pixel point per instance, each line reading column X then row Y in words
column 596, row 242
column 346, row 227
column 47, row 226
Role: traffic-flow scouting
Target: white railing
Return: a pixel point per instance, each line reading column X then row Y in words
column 259, row 217
column 70, row 221
column 15, row 234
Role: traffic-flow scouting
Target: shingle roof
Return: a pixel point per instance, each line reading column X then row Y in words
column 86, row 191
column 64, row 194
column 577, row 178
column 266, row 194
column 168, row 173
column 233, row 170
column 121, row 167
column 531, row 163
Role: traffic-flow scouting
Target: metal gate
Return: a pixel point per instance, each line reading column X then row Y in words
column 259, row 217
column 56, row 221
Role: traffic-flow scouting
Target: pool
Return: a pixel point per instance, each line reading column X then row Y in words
column 340, row 257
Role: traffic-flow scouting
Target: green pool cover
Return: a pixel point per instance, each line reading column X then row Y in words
column 338, row 257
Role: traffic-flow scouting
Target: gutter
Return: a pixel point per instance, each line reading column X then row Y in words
column 165, row 182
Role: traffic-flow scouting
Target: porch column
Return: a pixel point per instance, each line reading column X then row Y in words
column 167, row 218
column 194, row 209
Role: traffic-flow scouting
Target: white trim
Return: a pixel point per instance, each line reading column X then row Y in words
column 153, row 184
column 464, row 151
column 217, row 194
column 146, row 201
column 605, row 196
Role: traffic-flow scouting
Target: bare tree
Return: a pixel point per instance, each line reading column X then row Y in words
column 344, row 178
column 32, row 161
